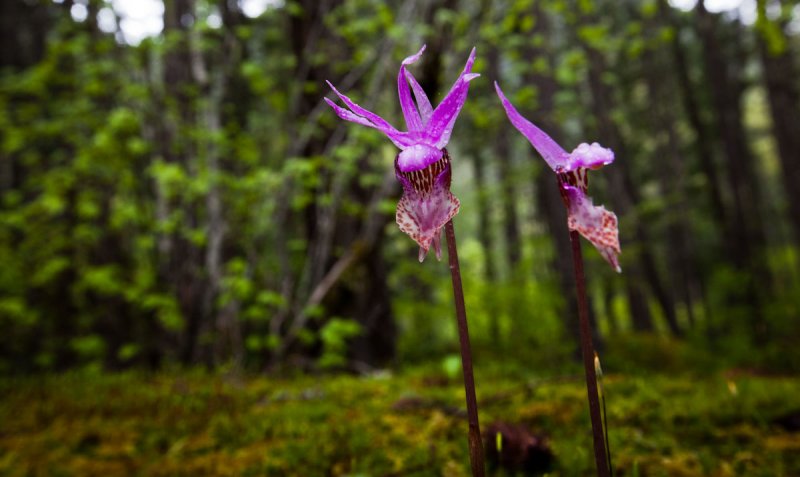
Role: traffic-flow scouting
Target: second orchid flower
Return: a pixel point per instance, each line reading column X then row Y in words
column 595, row 223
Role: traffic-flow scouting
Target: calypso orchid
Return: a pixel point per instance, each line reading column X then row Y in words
column 423, row 164
column 595, row 223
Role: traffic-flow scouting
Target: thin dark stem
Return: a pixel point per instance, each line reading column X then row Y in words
column 587, row 349
column 475, row 443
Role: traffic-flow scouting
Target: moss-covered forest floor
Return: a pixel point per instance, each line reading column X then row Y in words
column 410, row 423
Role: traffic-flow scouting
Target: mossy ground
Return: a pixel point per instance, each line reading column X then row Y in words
column 411, row 423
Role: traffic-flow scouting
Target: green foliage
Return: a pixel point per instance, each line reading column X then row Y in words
column 770, row 30
column 640, row 354
column 151, row 214
column 89, row 348
column 334, row 336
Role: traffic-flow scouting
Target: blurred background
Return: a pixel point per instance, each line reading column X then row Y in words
column 174, row 189
column 175, row 195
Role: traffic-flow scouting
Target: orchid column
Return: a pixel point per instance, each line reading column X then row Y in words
column 597, row 224
column 423, row 168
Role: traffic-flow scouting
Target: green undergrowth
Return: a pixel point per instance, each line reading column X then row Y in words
column 195, row 423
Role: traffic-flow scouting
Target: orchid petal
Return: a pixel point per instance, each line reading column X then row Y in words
column 422, row 216
column 555, row 156
column 361, row 116
column 410, row 112
column 590, row 156
column 595, row 223
column 440, row 126
column 415, row 57
column 379, row 122
column 418, row 156
column 470, row 61
column 423, row 103
column 348, row 115
column 437, row 245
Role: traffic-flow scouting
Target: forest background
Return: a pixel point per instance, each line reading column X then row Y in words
column 186, row 199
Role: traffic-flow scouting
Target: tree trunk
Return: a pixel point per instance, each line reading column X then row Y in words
column 24, row 27
column 376, row 344
column 672, row 173
column 507, row 177
column 215, row 84
column 748, row 239
column 324, row 279
column 623, row 196
column 181, row 260
column 485, row 237
column 780, row 74
column 726, row 94
column 23, row 30
column 703, row 142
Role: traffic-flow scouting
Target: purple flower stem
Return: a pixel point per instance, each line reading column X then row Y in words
column 587, row 350
column 475, row 442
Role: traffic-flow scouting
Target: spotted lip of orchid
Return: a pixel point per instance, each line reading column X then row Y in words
column 423, row 164
column 595, row 223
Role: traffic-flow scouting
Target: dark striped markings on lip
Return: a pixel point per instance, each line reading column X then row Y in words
column 423, row 180
column 577, row 178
